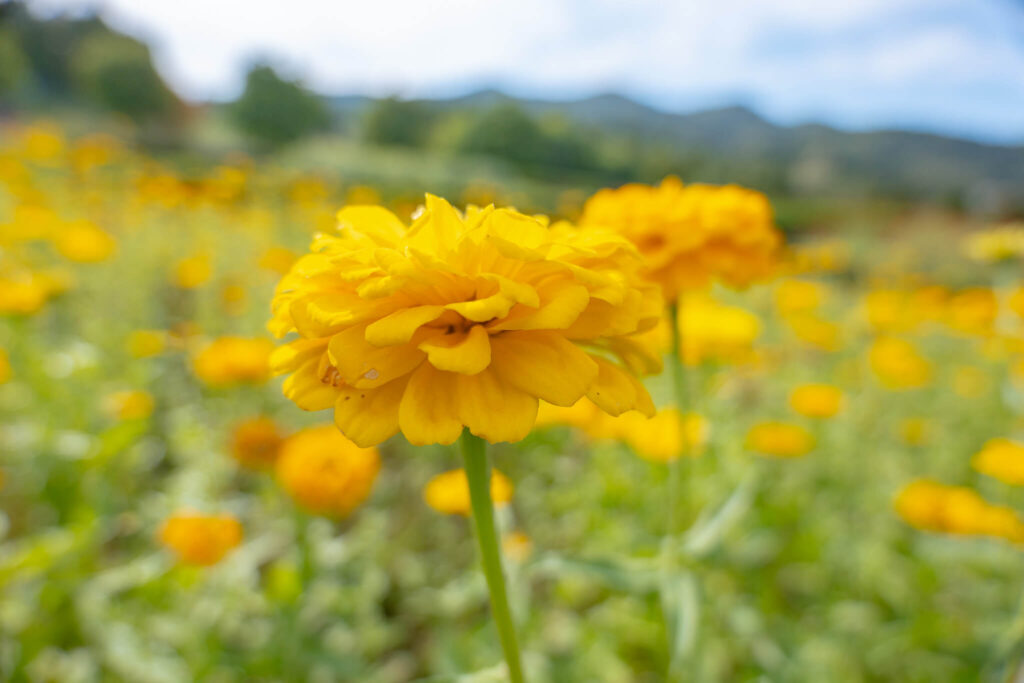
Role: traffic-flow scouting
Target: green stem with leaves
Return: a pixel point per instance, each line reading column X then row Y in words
column 478, row 472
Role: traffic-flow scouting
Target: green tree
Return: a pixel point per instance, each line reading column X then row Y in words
column 397, row 122
column 116, row 72
column 273, row 111
column 13, row 64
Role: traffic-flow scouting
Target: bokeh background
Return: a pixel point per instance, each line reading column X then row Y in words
column 162, row 164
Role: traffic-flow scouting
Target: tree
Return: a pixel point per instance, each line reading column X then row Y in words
column 13, row 64
column 273, row 111
column 397, row 122
column 116, row 72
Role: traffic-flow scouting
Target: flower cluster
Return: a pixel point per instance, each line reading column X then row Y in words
column 932, row 506
column 462, row 320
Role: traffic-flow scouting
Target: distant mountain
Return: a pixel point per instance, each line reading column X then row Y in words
column 812, row 157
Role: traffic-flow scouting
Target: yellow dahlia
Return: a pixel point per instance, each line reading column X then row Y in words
column 693, row 234
column 462, row 320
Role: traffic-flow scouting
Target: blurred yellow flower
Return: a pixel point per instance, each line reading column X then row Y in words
column 931, row 506
column 146, row 343
column 898, row 364
column 661, row 438
column 1002, row 459
column 234, row 360
column 1003, row 243
column 255, row 442
column 5, row 366
column 817, row 332
column 278, row 260
column 134, row 404
column 362, row 195
column 692, row 234
column 84, row 242
column 973, row 311
column 201, row 540
column 517, row 546
column 26, row 293
column 234, row 297
column 779, row 439
column 448, row 492
column 193, row 272
column 794, row 296
column 914, row 431
column 42, row 142
column 816, row 400
column 461, row 321
column 325, row 473
column 712, row 331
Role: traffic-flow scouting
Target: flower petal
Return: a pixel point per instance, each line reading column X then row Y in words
column 493, row 409
column 369, row 416
column 427, row 411
column 305, row 388
column 400, row 326
column 363, row 365
column 466, row 354
column 543, row 364
column 482, row 310
column 615, row 391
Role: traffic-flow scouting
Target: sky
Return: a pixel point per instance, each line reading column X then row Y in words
column 946, row 66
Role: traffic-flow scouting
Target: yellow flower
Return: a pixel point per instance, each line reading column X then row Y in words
column 516, row 546
column 362, row 195
column 193, row 272
column 798, row 296
column 84, row 242
column 779, row 439
column 26, row 293
column 660, row 439
column 134, row 404
column 973, row 311
column 146, row 343
column 817, row 332
column 326, row 473
column 1002, row 459
column 255, row 443
column 42, row 142
column 931, row 506
column 461, row 321
column 198, row 539
column 278, row 260
column 914, row 431
column 233, row 297
column 890, row 310
column 1004, row 243
column 715, row 332
column 692, row 234
column 816, row 400
column 234, row 360
column 898, row 364
column 5, row 367
column 448, row 492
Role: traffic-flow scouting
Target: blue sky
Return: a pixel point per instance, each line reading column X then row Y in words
column 950, row 66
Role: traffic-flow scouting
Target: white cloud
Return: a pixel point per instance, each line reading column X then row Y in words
column 794, row 57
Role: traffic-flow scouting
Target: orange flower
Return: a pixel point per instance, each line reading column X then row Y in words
column 200, row 539
column 256, row 442
column 326, row 473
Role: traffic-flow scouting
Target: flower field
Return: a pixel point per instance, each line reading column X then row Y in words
column 232, row 396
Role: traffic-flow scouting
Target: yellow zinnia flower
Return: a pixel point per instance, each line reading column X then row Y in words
column 256, row 442
column 192, row 272
column 931, row 506
column 798, row 296
column 779, row 439
column 326, row 473
column 1002, row 459
column 711, row 331
column 448, row 492
column 816, row 400
column 898, row 364
column 198, row 539
column 84, row 242
column 461, row 321
column 234, row 360
column 134, row 404
column 693, row 234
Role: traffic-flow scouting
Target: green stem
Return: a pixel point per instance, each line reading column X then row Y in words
column 478, row 472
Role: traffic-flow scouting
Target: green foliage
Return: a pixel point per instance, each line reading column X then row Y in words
column 116, row 72
column 13, row 64
column 400, row 123
column 273, row 111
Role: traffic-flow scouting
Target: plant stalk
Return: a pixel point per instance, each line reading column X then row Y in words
column 478, row 472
